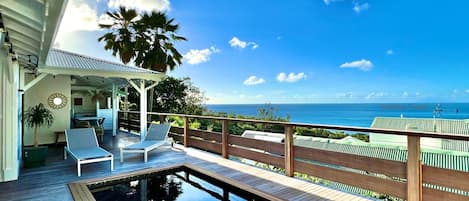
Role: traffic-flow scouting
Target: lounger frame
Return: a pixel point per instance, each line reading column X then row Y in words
column 86, row 161
column 144, row 150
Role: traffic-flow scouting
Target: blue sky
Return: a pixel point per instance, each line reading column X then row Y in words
column 305, row 51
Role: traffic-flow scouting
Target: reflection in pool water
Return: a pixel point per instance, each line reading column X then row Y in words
column 180, row 185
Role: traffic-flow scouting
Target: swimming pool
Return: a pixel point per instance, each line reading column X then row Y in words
column 176, row 183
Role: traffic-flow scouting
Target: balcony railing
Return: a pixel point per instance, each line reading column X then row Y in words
column 410, row 180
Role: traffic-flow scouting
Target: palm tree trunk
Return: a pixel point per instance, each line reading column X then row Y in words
column 35, row 137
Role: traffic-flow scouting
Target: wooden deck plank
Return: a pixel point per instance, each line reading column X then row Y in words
column 51, row 182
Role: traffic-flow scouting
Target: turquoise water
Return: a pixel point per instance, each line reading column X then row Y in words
column 351, row 114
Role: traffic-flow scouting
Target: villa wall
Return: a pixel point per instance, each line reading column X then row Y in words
column 39, row 93
column 88, row 106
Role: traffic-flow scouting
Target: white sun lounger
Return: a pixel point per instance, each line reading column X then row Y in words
column 156, row 137
column 83, row 145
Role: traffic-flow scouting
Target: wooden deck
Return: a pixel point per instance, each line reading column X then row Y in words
column 50, row 182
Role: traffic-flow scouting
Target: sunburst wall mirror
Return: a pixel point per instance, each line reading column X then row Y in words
column 57, row 101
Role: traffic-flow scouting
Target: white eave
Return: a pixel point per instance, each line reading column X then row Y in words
column 60, row 62
column 32, row 25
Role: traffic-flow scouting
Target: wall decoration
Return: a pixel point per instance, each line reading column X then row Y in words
column 78, row 101
column 57, row 101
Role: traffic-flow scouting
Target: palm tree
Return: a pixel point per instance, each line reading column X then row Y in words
column 147, row 39
column 37, row 116
column 120, row 39
column 156, row 36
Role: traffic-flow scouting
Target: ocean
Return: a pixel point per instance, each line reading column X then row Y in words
column 361, row 115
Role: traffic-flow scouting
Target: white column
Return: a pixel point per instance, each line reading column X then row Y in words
column 143, row 110
column 97, row 102
column 9, row 117
column 114, row 109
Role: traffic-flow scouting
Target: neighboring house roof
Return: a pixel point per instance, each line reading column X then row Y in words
column 69, row 63
column 455, row 160
column 450, row 126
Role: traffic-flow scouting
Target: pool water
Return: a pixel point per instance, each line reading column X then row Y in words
column 170, row 185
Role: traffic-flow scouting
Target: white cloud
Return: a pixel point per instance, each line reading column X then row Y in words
column 142, row 5
column 327, row 2
column 105, row 19
column 364, row 65
column 405, row 94
column 347, row 95
column 373, row 95
column 253, row 45
column 195, row 56
column 253, row 80
column 467, row 91
column 417, row 93
column 389, row 52
column 360, row 7
column 236, row 42
column 79, row 16
column 259, row 96
column 291, row 77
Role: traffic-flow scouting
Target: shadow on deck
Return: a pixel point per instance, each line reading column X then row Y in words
column 50, row 182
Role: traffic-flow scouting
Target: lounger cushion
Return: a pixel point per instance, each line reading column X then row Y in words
column 81, row 138
column 145, row 144
column 157, row 132
column 96, row 152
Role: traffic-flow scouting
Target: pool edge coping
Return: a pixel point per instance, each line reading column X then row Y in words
column 80, row 191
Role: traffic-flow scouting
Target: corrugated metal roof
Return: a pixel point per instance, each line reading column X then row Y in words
column 448, row 159
column 68, row 60
column 437, row 158
column 455, row 126
column 450, row 126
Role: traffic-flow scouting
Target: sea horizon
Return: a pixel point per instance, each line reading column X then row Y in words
column 349, row 114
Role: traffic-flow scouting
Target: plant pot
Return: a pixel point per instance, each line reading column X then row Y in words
column 34, row 157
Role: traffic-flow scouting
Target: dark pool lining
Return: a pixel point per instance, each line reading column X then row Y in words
column 224, row 186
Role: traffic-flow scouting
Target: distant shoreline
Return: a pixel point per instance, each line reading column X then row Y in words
column 348, row 114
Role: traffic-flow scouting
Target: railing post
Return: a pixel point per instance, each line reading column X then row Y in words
column 224, row 138
column 128, row 122
column 186, row 131
column 289, row 158
column 414, row 169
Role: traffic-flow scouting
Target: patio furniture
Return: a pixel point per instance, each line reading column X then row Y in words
column 57, row 136
column 82, row 124
column 156, row 137
column 82, row 144
column 99, row 128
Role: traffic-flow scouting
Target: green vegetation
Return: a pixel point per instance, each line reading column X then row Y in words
column 38, row 116
column 147, row 39
column 267, row 113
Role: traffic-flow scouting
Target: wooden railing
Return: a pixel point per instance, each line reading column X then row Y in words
column 393, row 178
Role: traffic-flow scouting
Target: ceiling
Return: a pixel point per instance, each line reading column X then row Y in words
column 31, row 26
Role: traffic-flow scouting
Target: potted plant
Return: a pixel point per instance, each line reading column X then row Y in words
column 36, row 117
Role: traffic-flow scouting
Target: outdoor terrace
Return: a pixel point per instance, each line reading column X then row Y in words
column 220, row 152
column 51, row 181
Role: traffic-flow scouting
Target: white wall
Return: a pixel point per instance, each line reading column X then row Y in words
column 39, row 93
column 88, row 105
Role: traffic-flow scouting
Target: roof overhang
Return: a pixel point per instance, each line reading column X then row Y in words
column 32, row 25
column 100, row 73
